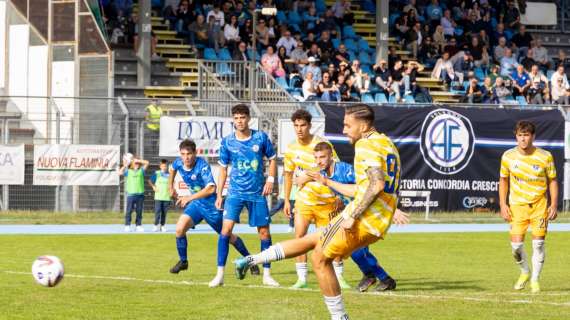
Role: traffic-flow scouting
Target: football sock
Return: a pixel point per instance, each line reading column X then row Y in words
column 273, row 253
column 360, row 258
column 182, row 247
column 538, row 254
column 336, row 307
column 338, row 268
column 302, row 271
column 264, row 245
column 240, row 247
column 520, row 256
column 223, row 248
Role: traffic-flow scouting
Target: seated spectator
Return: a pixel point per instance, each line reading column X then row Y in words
column 501, row 93
column 240, row 54
column 410, row 75
column 309, row 40
column 383, row 78
column 528, row 61
column 484, row 39
column 360, row 80
column 443, row 69
column 341, row 55
column 392, row 57
column 328, row 89
column 500, row 49
column 439, row 39
column 309, row 87
column 474, row 92
column 522, row 41
column 434, row 12
column 271, row 63
column 314, row 52
column 298, row 58
column 287, row 41
column 272, row 30
column 326, row 46
column 410, row 6
column 310, row 19
column 343, row 89
column 284, row 58
column 447, row 23
column 397, row 74
column 560, row 87
column 508, row 63
column 198, row 32
column 314, row 69
column 231, row 33
column 329, row 23
column 540, row 55
column 217, row 14
column 340, row 8
column 562, row 59
column 498, row 34
column 494, row 73
column 414, row 39
column 246, row 31
column 452, row 48
column 184, row 17
column 521, row 81
column 402, row 25
column 215, row 36
column 262, row 35
column 463, row 64
column 345, row 71
column 478, row 52
column 333, row 73
column 512, row 16
column 538, row 91
column 488, row 89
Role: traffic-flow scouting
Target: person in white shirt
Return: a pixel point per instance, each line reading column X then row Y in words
column 560, row 87
column 309, row 87
column 540, row 55
column 231, row 33
column 287, row 41
column 218, row 15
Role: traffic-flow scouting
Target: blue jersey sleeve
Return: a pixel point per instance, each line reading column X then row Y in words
column 268, row 149
column 153, row 178
column 349, row 173
column 126, row 173
column 177, row 164
column 224, row 154
column 206, row 174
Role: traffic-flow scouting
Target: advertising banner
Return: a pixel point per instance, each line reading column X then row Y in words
column 12, row 164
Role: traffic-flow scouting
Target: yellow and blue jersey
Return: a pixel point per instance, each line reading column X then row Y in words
column 246, row 159
column 528, row 175
column 197, row 178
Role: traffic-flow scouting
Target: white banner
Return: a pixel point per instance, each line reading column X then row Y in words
column 12, row 164
column 540, row 14
column 76, row 165
column 287, row 132
column 207, row 132
column 182, row 189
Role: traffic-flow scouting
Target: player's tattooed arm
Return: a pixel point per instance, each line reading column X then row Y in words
column 375, row 186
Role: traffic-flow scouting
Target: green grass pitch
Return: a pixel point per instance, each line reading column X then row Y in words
column 440, row 276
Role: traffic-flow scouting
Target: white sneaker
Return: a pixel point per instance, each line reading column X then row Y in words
column 139, row 229
column 163, row 229
column 218, row 281
column 127, row 228
column 155, row 228
column 269, row 281
column 290, row 230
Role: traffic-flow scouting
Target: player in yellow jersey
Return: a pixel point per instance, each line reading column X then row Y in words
column 526, row 173
column 314, row 202
column 364, row 221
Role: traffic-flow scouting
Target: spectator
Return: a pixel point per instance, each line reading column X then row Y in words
column 309, row 87
column 521, row 81
column 310, row 19
column 298, row 58
column 474, row 24
column 540, row 55
column 480, row 56
column 402, row 26
column 231, row 33
column 360, row 80
column 383, row 77
column 329, row 23
column 522, row 40
column 500, row 49
column 134, row 173
column 488, row 89
column 511, row 16
column 494, row 73
column 340, row 8
column 434, row 12
column 428, row 52
column 484, row 39
column 508, row 63
column 333, row 73
column 272, row 64
column 314, row 69
column 538, row 91
column 341, row 55
column 198, row 32
column 215, row 36
column 443, row 69
column 345, row 71
column 326, row 46
column 343, row 89
column 284, row 58
column 309, row 40
column 501, row 93
column 411, row 6
column 246, row 31
column 410, row 75
column 184, row 17
column 560, row 86
column 262, row 35
column 159, row 184
column 452, row 48
column 447, row 24
column 463, row 64
column 314, row 52
column 218, row 16
column 414, row 39
column 240, row 54
column 528, row 61
column 474, row 92
column 272, row 30
column 439, row 38
column 287, row 41
column 328, row 89
column 499, row 33
column 397, row 74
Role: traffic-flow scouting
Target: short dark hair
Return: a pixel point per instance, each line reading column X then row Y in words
column 361, row 112
column 240, row 109
column 188, row 144
column 321, row 146
column 525, row 126
column 163, row 161
column 302, row 115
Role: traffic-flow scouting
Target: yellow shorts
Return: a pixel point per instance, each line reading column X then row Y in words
column 321, row 215
column 337, row 242
column 533, row 214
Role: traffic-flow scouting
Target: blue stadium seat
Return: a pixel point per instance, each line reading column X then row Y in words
column 350, row 45
column 392, row 99
column 223, row 69
column 348, row 32
column 367, row 98
column 294, row 18
column 479, row 74
column 335, row 42
column 366, row 68
column 549, row 74
column 351, row 55
column 521, row 101
column 363, row 45
column 257, row 56
column 364, row 58
column 409, row 98
column 508, row 34
column 453, row 88
column 380, row 98
column 393, row 18
column 281, row 17
column 210, row 54
column 282, row 82
column 224, row 54
column 321, row 6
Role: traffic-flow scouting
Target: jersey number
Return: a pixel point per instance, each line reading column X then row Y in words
column 391, row 169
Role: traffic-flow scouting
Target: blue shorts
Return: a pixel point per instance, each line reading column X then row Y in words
column 257, row 210
column 199, row 212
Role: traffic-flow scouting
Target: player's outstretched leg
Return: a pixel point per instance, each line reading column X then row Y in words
column 538, row 255
column 279, row 251
column 265, row 238
column 182, row 226
column 372, row 270
column 520, row 258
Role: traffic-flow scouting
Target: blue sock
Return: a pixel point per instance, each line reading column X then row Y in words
column 265, row 244
column 380, row 273
column 182, row 247
column 223, row 249
column 240, row 247
column 359, row 257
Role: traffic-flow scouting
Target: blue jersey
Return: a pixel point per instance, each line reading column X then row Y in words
column 342, row 173
column 246, row 159
column 197, row 178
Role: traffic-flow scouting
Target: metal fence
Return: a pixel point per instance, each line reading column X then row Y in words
column 100, row 121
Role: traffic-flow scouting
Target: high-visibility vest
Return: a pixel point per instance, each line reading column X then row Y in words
column 161, row 185
column 135, row 182
column 154, row 114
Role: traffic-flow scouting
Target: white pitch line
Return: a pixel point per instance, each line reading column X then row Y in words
column 387, row 294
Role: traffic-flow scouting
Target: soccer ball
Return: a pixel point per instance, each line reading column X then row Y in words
column 127, row 158
column 47, row 271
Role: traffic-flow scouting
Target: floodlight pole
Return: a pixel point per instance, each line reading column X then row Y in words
column 382, row 12
column 252, row 82
column 144, row 50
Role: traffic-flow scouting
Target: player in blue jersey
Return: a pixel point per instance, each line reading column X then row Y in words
column 339, row 176
column 244, row 150
column 199, row 205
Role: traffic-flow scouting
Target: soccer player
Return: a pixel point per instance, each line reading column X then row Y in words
column 199, row 205
column 339, row 176
column 159, row 184
column 245, row 150
column 134, row 173
column 364, row 221
column 313, row 201
column 526, row 173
